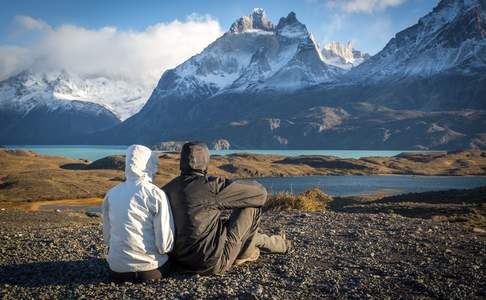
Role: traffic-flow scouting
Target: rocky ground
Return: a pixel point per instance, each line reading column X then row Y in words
column 45, row 255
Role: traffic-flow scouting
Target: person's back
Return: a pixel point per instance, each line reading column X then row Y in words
column 199, row 228
column 137, row 225
column 205, row 243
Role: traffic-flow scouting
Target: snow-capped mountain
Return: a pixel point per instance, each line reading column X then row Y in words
column 266, row 86
column 342, row 56
column 450, row 38
column 49, row 108
column 253, row 55
column 56, row 89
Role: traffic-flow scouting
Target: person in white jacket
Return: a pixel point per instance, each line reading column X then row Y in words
column 137, row 222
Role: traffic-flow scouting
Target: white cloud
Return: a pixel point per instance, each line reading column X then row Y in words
column 367, row 6
column 29, row 23
column 136, row 55
column 333, row 26
column 13, row 60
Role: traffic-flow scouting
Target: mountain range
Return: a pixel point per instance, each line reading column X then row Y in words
column 262, row 85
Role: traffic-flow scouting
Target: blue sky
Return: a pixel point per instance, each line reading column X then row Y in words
column 326, row 19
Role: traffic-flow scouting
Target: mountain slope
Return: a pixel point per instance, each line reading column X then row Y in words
column 452, row 38
column 437, row 64
column 44, row 109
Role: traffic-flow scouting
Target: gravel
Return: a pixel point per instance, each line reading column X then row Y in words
column 45, row 255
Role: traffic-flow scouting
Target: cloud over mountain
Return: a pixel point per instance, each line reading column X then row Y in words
column 108, row 51
column 367, row 6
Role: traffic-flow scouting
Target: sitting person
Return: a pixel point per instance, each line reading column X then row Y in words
column 206, row 243
column 137, row 222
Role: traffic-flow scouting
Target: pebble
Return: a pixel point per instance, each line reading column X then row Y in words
column 45, row 256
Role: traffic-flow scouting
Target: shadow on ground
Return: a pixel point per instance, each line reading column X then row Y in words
column 37, row 274
column 74, row 166
column 465, row 206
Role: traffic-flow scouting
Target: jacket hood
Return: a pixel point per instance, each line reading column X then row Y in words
column 141, row 163
column 194, row 158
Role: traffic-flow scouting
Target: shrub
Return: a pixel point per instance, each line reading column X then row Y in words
column 310, row 201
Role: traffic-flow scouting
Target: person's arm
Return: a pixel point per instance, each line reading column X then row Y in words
column 163, row 224
column 238, row 194
column 106, row 222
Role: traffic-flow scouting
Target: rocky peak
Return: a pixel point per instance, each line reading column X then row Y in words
column 343, row 50
column 291, row 27
column 343, row 56
column 257, row 21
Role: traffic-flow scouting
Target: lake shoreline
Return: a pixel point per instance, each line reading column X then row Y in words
column 28, row 176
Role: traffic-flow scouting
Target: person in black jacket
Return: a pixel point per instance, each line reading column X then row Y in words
column 206, row 243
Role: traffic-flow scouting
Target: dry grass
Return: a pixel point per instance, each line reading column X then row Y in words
column 310, row 201
column 467, row 206
column 27, row 176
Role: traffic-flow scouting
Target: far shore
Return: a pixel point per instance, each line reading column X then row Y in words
column 28, row 176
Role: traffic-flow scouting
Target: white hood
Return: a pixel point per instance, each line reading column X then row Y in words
column 141, row 163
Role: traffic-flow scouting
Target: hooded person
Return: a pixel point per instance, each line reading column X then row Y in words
column 205, row 242
column 137, row 222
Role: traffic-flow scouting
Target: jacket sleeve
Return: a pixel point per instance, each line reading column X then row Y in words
column 239, row 194
column 163, row 224
column 106, row 221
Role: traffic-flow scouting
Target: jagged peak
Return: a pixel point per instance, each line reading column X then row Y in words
column 290, row 19
column 256, row 21
column 258, row 11
column 342, row 49
column 291, row 27
column 446, row 10
column 342, row 55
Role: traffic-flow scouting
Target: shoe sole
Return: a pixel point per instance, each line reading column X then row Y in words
column 239, row 262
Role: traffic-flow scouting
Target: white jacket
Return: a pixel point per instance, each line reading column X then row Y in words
column 137, row 221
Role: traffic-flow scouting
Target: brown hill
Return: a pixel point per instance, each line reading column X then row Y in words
column 27, row 176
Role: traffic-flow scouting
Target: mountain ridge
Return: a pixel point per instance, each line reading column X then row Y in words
column 401, row 111
column 262, row 85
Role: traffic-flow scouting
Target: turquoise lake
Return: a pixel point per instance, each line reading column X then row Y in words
column 349, row 185
column 359, row 185
column 333, row 185
column 91, row 152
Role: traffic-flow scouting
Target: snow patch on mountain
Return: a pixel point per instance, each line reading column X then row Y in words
column 56, row 89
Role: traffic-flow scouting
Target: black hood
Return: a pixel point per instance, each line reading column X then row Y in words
column 194, row 158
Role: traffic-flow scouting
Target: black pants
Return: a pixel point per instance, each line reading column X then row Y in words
column 141, row 276
column 243, row 236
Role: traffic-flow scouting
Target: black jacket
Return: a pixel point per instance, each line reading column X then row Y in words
column 197, row 201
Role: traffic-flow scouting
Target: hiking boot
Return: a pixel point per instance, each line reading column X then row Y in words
column 290, row 246
column 253, row 257
column 288, row 243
